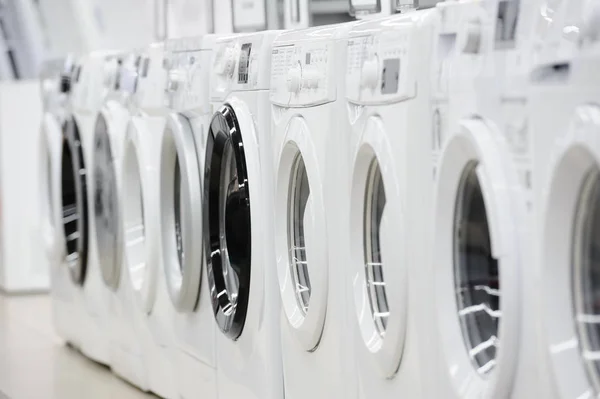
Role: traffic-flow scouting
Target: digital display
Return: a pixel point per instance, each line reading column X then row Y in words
column 244, row 62
column 390, row 76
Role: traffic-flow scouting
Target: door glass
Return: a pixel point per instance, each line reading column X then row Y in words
column 106, row 201
column 299, row 192
column 229, row 236
column 373, row 213
column 476, row 274
column 586, row 270
column 74, row 202
column 177, row 208
column 70, row 211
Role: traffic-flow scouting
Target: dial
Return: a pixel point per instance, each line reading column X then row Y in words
column 370, row 73
column 176, row 79
column 294, row 79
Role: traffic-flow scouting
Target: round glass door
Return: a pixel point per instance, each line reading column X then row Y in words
column 476, row 274
column 299, row 192
column 227, row 222
column 74, row 202
column 106, row 203
column 375, row 201
column 586, row 272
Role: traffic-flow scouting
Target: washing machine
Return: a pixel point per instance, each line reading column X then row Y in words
column 81, row 255
column 308, row 139
column 124, row 328
column 141, row 221
column 62, row 289
column 477, row 249
column 181, row 174
column 564, row 119
column 388, row 183
column 237, row 219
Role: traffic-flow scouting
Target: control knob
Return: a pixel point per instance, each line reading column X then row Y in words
column 370, row 73
column 294, row 79
column 175, row 80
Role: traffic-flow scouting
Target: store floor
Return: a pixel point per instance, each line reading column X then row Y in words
column 34, row 362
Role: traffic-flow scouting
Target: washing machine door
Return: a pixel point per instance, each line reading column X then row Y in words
column 106, row 205
column 377, row 250
column 141, row 217
column 50, row 149
column 181, row 213
column 477, row 260
column 570, row 257
column 74, row 201
column 227, row 221
column 301, row 235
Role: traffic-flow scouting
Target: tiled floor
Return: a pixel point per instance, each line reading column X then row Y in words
column 34, row 363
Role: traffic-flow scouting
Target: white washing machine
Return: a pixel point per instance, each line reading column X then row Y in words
column 564, row 119
column 237, row 214
column 308, row 141
column 181, row 173
column 124, row 328
column 388, row 181
column 63, row 291
column 477, row 249
column 141, row 221
column 81, row 258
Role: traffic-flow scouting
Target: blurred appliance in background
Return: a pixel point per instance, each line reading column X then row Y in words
column 67, row 309
column 245, row 15
column 23, row 38
column 309, row 142
column 181, row 227
column 81, row 256
column 140, row 222
column 24, row 266
column 124, row 330
column 298, row 14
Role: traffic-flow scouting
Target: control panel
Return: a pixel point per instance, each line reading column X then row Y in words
column 152, row 79
column 377, row 69
column 186, row 64
column 239, row 64
column 303, row 74
column 128, row 78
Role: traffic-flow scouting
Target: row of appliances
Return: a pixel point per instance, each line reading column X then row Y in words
column 397, row 206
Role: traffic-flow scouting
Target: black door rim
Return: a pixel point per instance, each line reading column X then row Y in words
column 227, row 231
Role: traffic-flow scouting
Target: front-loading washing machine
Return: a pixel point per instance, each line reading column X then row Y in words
column 124, row 328
column 388, row 182
column 140, row 175
column 237, row 215
column 564, row 120
column 63, row 291
column 81, row 257
column 181, row 174
column 479, row 229
column 308, row 141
